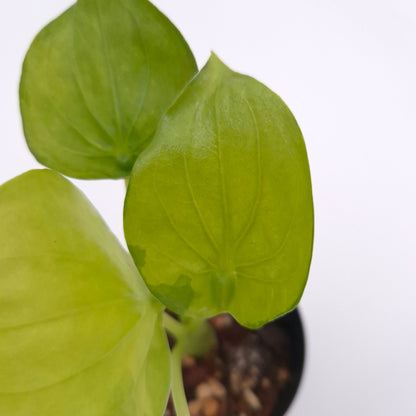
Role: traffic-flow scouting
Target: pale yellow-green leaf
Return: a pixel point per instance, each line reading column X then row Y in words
column 218, row 215
column 77, row 324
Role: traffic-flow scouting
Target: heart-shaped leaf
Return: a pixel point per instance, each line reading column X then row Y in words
column 218, row 215
column 78, row 328
column 95, row 83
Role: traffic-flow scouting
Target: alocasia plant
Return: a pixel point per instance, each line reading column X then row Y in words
column 218, row 215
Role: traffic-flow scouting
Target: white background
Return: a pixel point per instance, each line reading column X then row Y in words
column 347, row 69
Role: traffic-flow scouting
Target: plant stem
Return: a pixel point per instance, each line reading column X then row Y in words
column 173, row 326
column 178, row 390
column 194, row 337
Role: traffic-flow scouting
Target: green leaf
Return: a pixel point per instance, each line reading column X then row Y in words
column 219, row 214
column 95, row 83
column 156, row 383
column 76, row 319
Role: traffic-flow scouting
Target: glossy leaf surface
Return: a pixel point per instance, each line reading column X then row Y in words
column 218, row 214
column 77, row 323
column 95, row 83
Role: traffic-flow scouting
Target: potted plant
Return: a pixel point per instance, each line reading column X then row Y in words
column 218, row 218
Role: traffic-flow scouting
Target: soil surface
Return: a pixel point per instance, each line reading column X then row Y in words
column 247, row 374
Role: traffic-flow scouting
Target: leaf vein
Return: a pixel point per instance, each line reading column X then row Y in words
column 98, row 123
column 271, row 256
column 225, row 205
column 256, row 202
column 255, row 278
column 75, row 128
column 174, row 227
column 173, row 260
column 147, row 72
column 110, row 71
column 107, row 354
column 68, row 314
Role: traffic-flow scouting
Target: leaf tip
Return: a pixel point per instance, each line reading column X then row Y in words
column 217, row 64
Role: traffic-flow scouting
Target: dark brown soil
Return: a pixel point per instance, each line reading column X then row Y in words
column 247, row 374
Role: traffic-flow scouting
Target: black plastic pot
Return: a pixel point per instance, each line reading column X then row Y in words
column 291, row 326
column 283, row 346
